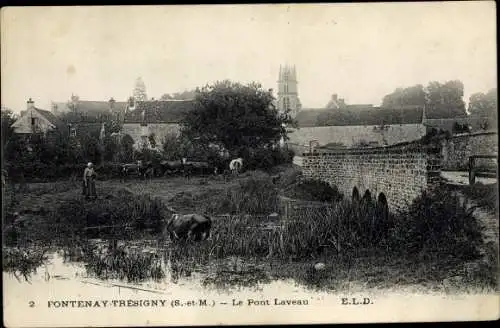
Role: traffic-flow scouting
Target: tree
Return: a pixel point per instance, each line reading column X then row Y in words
column 185, row 95
column 140, row 90
column 484, row 105
column 234, row 116
column 152, row 140
column 442, row 100
column 411, row 96
column 445, row 100
column 171, row 147
column 8, row 118
column 126, row 148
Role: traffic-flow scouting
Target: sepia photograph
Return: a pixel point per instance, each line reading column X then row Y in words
column 249, row 164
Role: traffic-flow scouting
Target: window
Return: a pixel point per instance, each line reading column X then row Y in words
column 33, row 121
column 73, row 132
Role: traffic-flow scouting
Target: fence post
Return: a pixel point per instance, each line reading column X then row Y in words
column 472, row 175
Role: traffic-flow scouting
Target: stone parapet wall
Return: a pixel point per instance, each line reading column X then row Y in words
column 401, row 171
column 457, row 149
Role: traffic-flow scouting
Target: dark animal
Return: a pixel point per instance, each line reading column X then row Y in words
column 189, row 227
column 171, row 167
column 128, row 169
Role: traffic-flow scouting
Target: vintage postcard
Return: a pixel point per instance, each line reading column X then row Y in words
column 249, row 164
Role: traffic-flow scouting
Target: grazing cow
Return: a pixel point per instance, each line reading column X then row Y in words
column 189, row 227
column 129, row 169
column 171, row 167
column 236, row 165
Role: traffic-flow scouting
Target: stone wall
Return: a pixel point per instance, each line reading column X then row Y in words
column 457, row 149
column 160, row 130
column 400, row 171
column 350, row 135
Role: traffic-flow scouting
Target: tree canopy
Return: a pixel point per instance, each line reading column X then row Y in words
column 442, row 100
column 485, row 105
column 235, row 116
column 185, row 95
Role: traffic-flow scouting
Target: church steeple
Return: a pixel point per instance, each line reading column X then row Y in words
column 288, row 98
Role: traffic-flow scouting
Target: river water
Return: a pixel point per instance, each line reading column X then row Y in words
column 64, row 293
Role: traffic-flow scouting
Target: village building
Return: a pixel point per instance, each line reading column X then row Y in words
column 36, row 121
column 342, row 125
column 288, row 96
column 151, row 122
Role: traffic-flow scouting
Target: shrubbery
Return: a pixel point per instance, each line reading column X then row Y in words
column 438, row 223
column 265, row 159
column 314, row 190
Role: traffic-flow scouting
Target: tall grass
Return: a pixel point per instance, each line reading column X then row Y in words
column 125, row 264
column 23, row 262
column 255, row 194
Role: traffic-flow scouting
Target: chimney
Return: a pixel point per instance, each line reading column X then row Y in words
column 335, row 97
column 30, row 103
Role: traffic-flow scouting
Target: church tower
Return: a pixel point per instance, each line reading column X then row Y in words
column 288, row 98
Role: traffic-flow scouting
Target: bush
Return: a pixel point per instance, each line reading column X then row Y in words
column 314, row 190
column 438, row 222
column 266, row 158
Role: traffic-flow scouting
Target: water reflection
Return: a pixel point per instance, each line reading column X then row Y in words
column 140, row 262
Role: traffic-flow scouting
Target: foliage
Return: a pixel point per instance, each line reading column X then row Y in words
column 485, row 105
column 438, row 222
column 185, row 95
column 23, row 262
column 8, row 118
column 410, row 96
column 266, row 158
column 152, row 140
column 124, row 264
column 460, row 128
column 254, row 195
column 235, row 117
column 442, row 100
column 126, row 152
column 172, row 147
column 314, row 190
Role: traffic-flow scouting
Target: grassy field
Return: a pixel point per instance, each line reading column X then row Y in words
column 437, row 245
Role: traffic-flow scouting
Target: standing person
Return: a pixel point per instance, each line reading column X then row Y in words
column 89, row 181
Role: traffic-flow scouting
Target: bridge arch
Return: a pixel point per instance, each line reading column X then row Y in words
column 367, row 197
column 355, row 195
column 383, row 206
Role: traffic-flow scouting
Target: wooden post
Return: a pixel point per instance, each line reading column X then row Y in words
column 472, row 174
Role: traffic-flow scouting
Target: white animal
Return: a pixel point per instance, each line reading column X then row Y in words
column 319, row 266
column 235, row 165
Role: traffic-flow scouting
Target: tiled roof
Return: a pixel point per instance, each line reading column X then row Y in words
column 359, row 116
column 159, row 111
column 51, row 118
column 92, row 108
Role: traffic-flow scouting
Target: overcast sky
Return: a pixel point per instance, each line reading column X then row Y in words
column 359, row 51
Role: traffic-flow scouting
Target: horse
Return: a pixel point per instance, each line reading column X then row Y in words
column 236, row 165
column 185, row 227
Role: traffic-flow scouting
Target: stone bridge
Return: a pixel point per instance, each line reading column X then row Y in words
column 394, row 175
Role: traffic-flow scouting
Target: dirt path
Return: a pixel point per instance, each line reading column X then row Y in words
column 486, row 217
